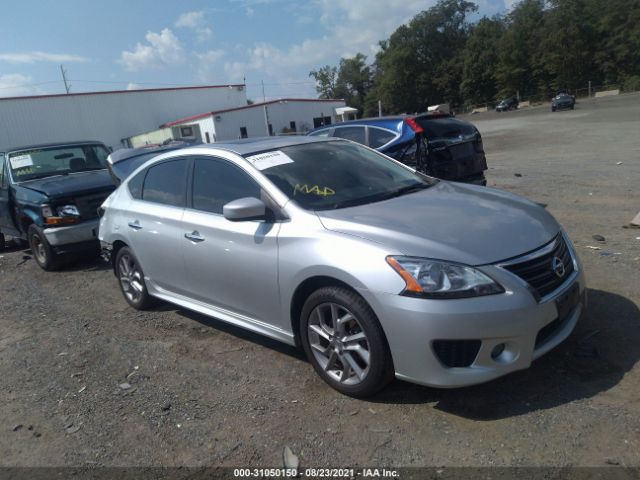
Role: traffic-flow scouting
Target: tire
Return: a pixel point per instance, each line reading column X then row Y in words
column 358, row 367
column 3, row 243
column 43, row 254
column 131, row 280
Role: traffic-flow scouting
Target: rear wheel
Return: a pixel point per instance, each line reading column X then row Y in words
column 44, row 255
column 344, row 342
column 131, row 280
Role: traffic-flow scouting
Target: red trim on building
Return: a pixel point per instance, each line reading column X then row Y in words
column 110, row 92
column 246, row 107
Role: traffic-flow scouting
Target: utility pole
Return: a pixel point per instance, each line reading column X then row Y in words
column 379, row 108
column 264, row 99
column 589, row 88
column 266, row 121
column 67, row 87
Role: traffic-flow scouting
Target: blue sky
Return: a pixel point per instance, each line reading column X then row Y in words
column 143, row 43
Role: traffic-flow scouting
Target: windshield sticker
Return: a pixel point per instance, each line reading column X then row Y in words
column 21, row 161
column 269, row 159
column 315, row 190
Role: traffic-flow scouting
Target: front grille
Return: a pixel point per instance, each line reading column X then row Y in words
column 88, row 205
column 538, row 271
column 456, row 353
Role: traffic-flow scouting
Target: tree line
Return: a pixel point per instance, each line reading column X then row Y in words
column 538, row 48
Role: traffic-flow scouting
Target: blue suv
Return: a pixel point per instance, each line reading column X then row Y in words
column 436, row 144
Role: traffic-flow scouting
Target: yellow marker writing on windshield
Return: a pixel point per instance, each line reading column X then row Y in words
column 315, row 190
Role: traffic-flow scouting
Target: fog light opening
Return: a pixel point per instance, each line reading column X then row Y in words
column 497, row 351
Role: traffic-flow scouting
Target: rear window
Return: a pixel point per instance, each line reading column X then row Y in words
column 379, row 137
column 444, row 127
column 350, row 133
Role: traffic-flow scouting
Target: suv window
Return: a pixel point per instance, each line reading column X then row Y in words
column 217, row 182
column 379, row 137
column 165, row 183
column 350, row 133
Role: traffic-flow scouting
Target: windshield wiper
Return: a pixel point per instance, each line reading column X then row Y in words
column 378, row 197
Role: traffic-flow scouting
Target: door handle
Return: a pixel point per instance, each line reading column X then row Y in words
column 135, row 225
column 194, row 236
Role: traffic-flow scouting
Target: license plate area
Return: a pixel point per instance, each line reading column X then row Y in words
column 567, row 301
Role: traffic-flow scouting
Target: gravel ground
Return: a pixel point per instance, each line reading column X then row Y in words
column 86, row 380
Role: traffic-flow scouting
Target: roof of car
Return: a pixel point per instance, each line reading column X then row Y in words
column 53, row 145
column 247, row 146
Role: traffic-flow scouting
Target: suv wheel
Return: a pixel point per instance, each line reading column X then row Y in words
column 131, row 280
column 344, row 342
column 44, row 255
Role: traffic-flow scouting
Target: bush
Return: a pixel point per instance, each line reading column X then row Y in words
column 631, row 83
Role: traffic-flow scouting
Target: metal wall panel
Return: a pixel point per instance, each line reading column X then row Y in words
column 108, row 117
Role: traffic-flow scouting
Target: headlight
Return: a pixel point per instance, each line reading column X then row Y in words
column 436, row 279
column 68, row 211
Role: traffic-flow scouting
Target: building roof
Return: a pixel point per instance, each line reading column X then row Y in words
column 110, row 92
column 246, row 107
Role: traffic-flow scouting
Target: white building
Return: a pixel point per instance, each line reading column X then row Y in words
column 109, row 117
column 275, row 117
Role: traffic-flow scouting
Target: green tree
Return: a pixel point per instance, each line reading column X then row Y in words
column 521, row 68
column 326, row 81
column 480, row 61
column 421, row 62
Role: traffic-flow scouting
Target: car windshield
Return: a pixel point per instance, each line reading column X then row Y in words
column 45, row 162
column 330, row 175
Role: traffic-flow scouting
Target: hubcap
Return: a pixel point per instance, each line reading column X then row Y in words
column 130, row 278
column 338, row 343
column 38, row 249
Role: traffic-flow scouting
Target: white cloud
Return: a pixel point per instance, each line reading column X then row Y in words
column 163, row 49
column 133, row 86
column 190, row 20
column 350, row 26
column 15, row 84
column 209, row 66
column 249, row 11
column 195, row 21
column 33, row 57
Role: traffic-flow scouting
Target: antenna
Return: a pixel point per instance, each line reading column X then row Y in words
column 67, row 86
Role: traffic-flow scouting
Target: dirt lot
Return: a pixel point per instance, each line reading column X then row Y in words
column 203, row 393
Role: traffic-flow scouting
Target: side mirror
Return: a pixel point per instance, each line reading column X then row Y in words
column 243, row 209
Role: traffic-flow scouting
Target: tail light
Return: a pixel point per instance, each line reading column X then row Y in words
column 414, row 125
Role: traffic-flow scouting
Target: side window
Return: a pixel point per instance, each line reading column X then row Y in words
column 321, row 133
column 217, row 182
column 135, row 185
column 166, row 183
column 379, row 137
column 3, row 174
column 350, row 133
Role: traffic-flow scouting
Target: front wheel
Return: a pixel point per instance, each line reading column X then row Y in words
column 344, row 342
column 44, row 255
column 131, row 280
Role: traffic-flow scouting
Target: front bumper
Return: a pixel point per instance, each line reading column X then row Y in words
column 514, row 319
column 80, row 233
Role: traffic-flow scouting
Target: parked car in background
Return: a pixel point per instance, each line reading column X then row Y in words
column 563, row 100
column 436, row 144
column 374, row 269
column 507, row 104
column 49, row 197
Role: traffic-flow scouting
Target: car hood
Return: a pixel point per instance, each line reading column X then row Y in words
column 75, row 184
column 450, row 221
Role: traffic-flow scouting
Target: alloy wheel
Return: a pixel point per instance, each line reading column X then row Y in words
column 339, row 343
column 130, row 278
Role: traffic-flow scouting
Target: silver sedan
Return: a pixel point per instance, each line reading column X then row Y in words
column 373, row 269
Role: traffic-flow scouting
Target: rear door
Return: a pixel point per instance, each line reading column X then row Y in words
column 455, row 148
column 154, row 222
column 230, row 265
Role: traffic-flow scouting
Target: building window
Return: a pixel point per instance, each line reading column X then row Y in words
column 321, row 121
column 206, row 134
column 243, row 132
column 292, row 127
column 186, row 131
column 270, row 130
